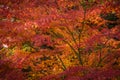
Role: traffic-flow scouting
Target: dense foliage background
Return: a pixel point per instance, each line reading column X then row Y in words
column 59, row 39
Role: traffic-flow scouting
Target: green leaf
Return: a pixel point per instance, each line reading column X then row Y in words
column 27, row 46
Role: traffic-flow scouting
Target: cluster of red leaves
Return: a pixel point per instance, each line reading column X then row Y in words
column 40, row 40
column 9, row 72
column 85, row 73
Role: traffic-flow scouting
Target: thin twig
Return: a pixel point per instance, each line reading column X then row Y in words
column 63, row 65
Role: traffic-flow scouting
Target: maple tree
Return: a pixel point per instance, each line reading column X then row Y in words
column 59, row 39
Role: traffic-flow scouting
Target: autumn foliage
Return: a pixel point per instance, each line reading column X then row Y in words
column 59, row 39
